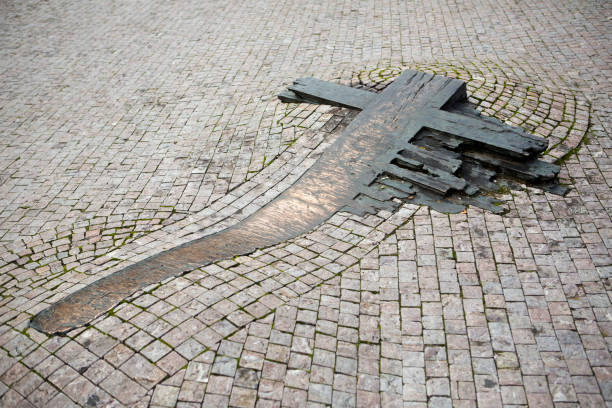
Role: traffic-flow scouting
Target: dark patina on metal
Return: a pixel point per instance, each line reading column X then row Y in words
column 417, row 140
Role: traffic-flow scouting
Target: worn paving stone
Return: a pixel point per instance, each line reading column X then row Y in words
column 130, row 130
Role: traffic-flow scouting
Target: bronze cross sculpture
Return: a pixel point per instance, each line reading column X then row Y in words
column 417, row 140
column 441, row 151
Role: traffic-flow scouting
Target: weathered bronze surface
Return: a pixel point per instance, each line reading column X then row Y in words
column 376, row 159
column 444, row 153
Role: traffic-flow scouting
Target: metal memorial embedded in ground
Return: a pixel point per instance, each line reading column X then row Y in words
column 418, row 140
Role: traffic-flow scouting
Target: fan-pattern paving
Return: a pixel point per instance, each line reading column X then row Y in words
column 131, row 127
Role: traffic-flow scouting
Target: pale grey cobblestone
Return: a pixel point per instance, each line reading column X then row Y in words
column 133, row 127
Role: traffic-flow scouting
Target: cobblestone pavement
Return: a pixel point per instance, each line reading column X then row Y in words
column 131, row 127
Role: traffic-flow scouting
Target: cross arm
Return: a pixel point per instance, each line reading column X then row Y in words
column 494, row 136
column 313, row 90
column 446, row 91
